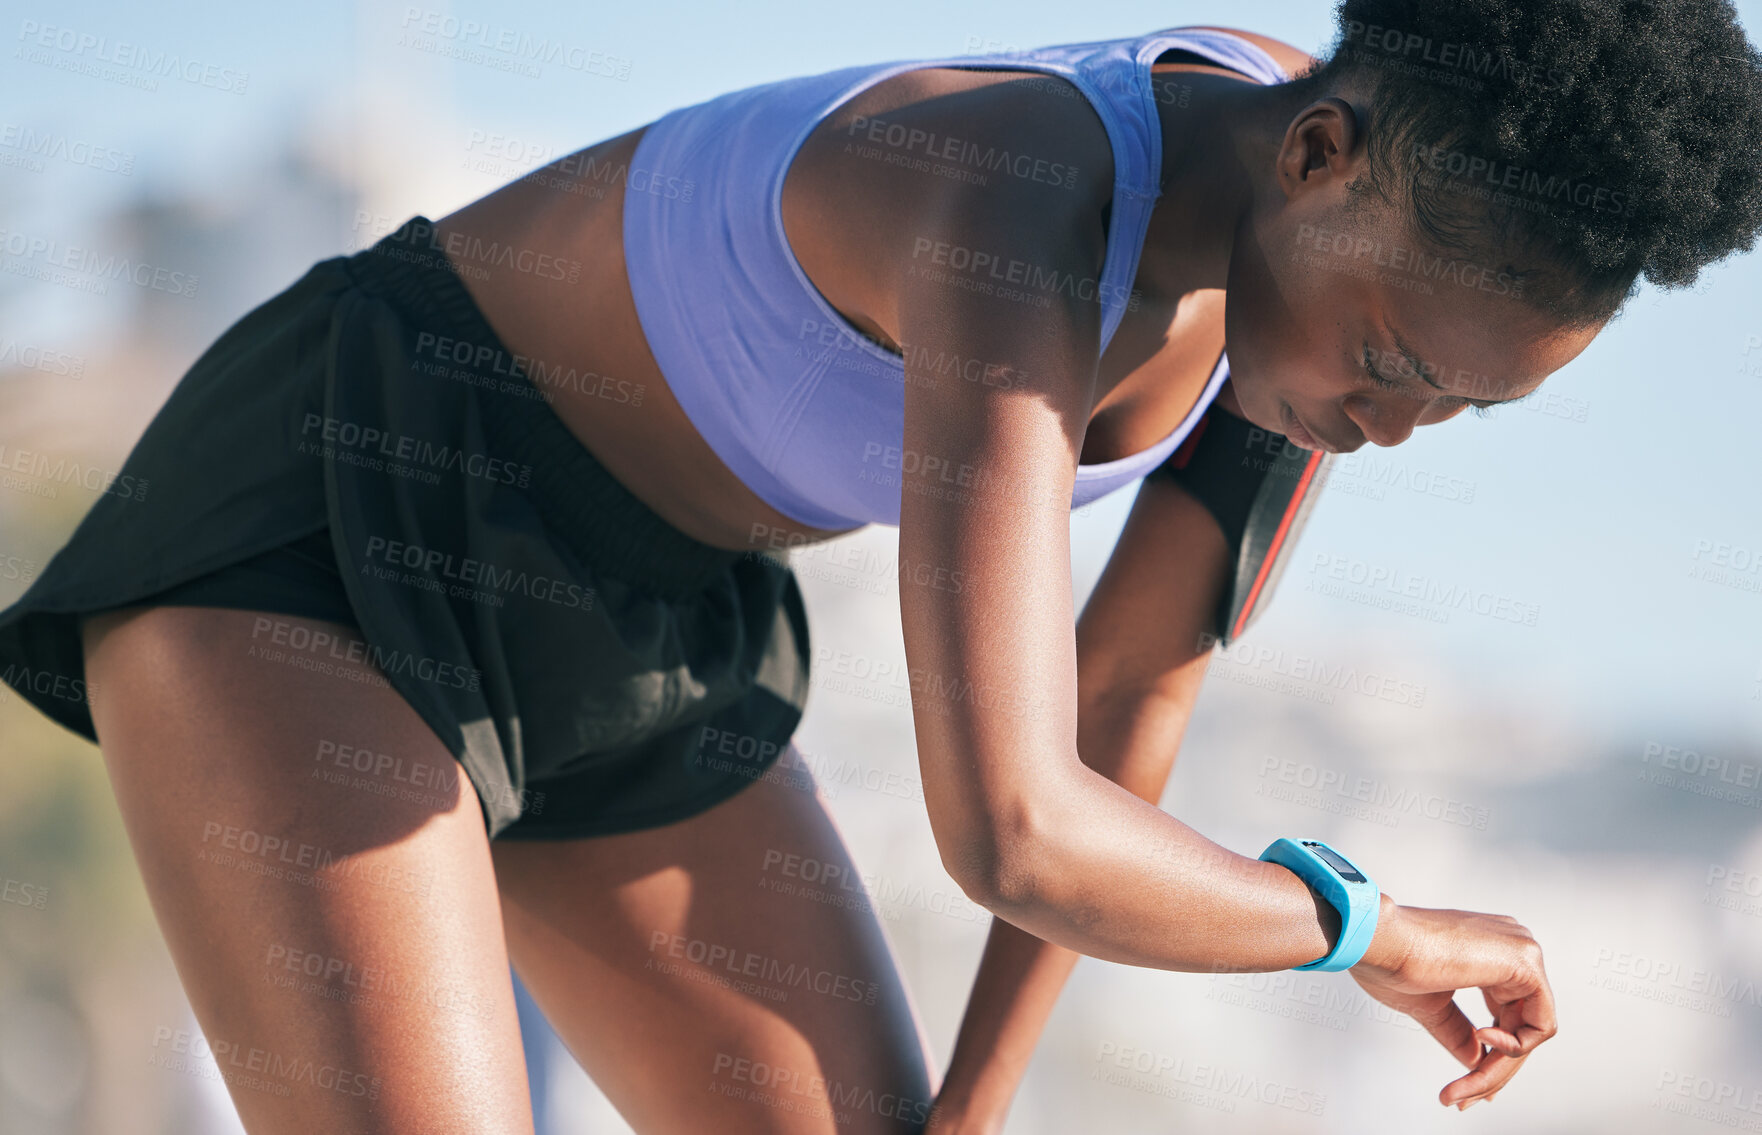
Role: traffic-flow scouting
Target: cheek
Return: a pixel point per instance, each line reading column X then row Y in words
column 1255, row 325
column 1273, row 313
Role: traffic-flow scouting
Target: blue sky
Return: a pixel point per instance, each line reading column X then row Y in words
column 1601, row 523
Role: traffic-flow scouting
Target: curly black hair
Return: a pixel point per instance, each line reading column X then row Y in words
column 1608, row 139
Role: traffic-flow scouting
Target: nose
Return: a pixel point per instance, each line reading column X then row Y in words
column 1384, row 421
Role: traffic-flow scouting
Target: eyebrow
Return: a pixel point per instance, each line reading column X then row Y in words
column 1425, row 371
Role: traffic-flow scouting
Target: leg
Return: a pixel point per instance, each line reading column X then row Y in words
column 706, row 985
column 337, row 932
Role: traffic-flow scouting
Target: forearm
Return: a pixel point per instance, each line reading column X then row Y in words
column 1104, row 873
column 1019, row 980
column 1131, row 738
column 1096, row 867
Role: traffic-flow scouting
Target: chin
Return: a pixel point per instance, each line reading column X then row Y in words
column 1260, row 406
column 1270, row 419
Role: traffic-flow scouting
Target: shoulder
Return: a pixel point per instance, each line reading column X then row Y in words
column 1293, row 60
column 1010, row 152
column 982, row 128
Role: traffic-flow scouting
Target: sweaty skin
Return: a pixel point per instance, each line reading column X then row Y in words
column 1154, row 369
column 1331, row 355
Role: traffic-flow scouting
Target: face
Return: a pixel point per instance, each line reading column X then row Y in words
column 1344, row 329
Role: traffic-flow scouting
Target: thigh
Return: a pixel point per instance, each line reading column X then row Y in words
column 723, row 973
column 321, row 873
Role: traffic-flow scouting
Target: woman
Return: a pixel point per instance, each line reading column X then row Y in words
column 500, row 494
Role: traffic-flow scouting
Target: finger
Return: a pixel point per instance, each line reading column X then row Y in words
column 1485, row 1081
column 1530, row 989
column 1526, row 1022
column 1499, row 1040
column 1539, row 1023
column 1490, row 1075
column 1449, row 1026
column 1466, row 1102
column 1501, row 1035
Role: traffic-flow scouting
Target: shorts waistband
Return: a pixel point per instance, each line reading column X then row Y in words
column 586, row 509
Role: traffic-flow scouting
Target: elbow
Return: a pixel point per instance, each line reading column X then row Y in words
column 997, row 864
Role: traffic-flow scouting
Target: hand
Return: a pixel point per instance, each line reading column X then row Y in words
column 1428, row 955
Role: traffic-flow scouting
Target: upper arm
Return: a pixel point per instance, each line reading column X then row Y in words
column 969, row 159
column 1142, row 643
column 1154, row 608
column 1002, row 276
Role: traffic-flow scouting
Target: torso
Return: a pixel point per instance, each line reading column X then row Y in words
column 1152, row 373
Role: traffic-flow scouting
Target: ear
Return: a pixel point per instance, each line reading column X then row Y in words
column 1322, row 147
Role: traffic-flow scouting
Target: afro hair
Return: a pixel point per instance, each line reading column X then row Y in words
column 1614, row 139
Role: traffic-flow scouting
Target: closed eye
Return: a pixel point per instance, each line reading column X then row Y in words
column 1479, row 409
column 1377, row 376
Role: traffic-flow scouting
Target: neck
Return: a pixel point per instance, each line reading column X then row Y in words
column 1216, row 150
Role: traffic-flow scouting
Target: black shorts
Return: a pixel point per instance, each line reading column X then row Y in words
column 363, row 449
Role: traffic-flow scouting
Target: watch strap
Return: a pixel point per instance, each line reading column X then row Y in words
column 1358, row 903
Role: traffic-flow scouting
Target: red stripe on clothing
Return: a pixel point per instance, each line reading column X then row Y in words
column 1184, row 452
column 1272, row 553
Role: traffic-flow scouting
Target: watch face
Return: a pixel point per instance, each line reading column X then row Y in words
column 1345, row 869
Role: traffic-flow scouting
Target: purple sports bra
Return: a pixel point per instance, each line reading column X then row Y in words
column 805, row 409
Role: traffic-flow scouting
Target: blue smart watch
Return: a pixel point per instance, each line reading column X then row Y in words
column 1346, row 888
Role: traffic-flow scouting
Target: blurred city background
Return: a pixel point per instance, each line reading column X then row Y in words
column 1590, row 766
